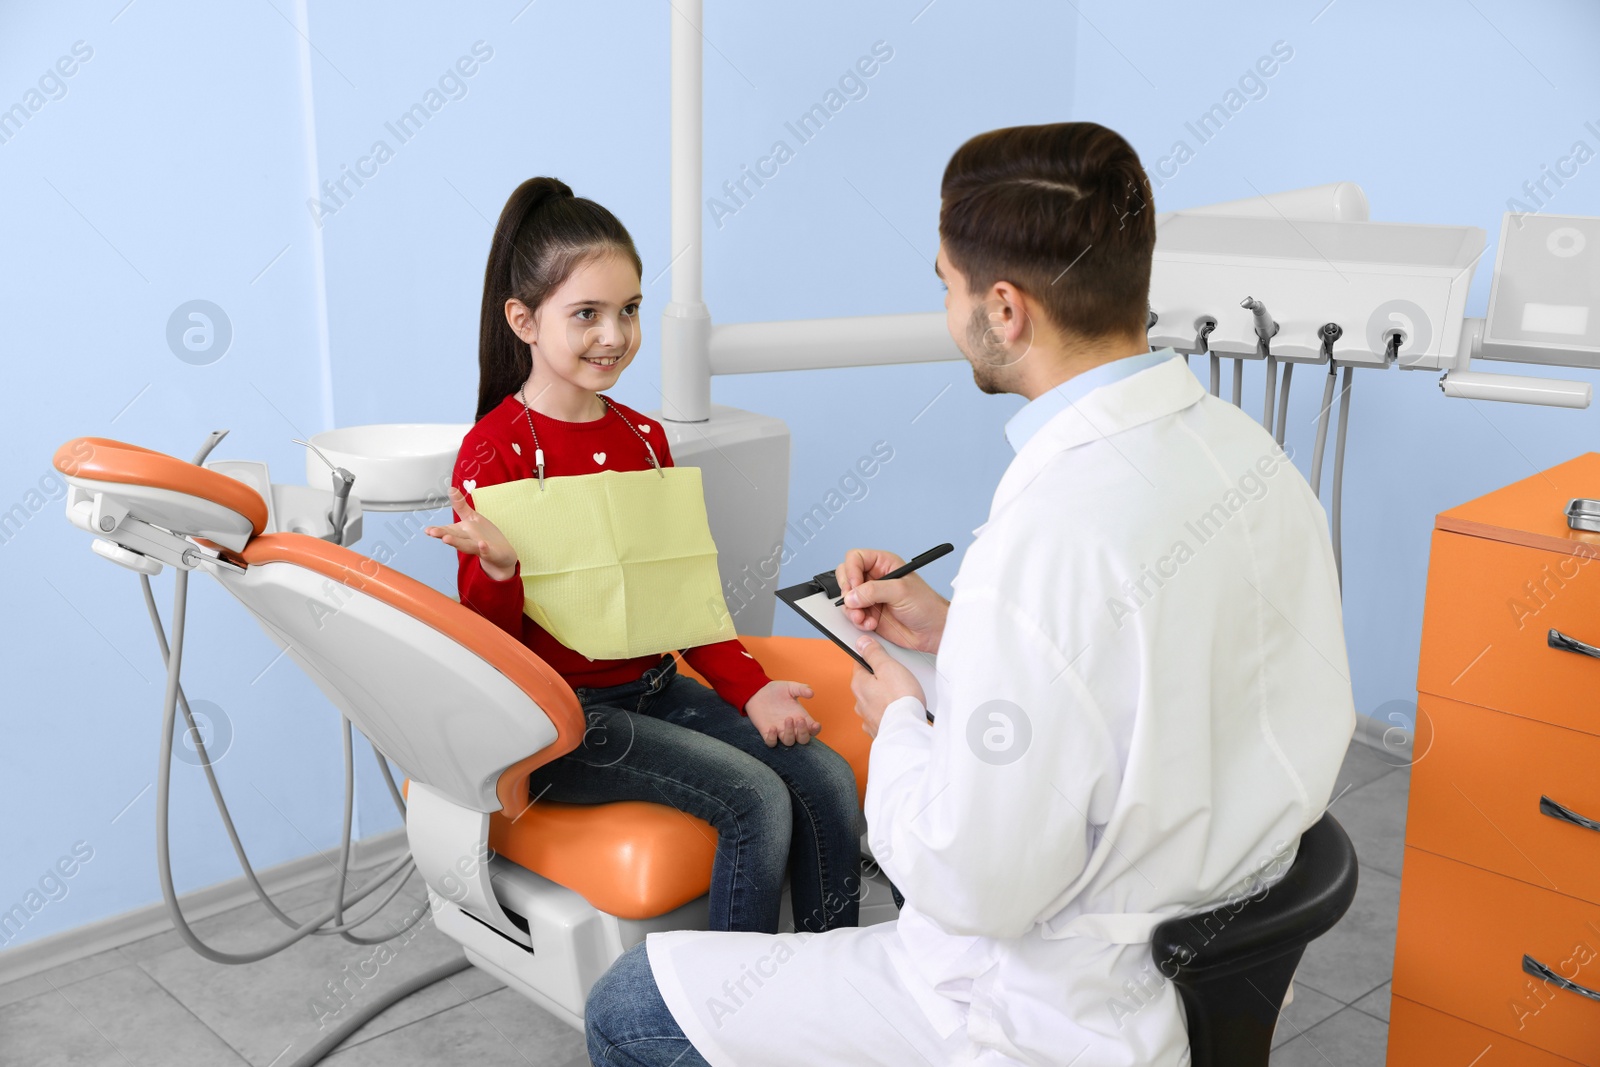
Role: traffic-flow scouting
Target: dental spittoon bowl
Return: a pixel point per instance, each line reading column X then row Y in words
column 398, row 466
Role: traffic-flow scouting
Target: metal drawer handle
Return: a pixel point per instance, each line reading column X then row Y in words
column 1540, row 971
column 1558, row 640
column 1565, row 814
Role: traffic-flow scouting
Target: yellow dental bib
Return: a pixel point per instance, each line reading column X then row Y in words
column 616, row 564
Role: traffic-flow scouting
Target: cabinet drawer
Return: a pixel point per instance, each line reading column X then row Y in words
column 1419, row 1036
column 1476, row 792
column 1463, row 935
column 1490, row 608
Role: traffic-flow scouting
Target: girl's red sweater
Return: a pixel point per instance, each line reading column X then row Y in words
column 500, row 449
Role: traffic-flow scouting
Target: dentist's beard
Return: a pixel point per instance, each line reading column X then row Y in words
column 990, row 362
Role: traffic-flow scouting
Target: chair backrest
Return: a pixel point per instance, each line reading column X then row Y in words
column 458, row 703
column 1232, row 965
column 1301, row 906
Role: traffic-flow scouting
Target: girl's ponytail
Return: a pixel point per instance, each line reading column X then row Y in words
column 543, row 234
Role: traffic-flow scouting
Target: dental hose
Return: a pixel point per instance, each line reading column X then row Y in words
column 1283, row 404
column 1323, row 418
column 1238, row 383
column 173, row 700
column 334, row 1038
column 1338, row 474
column 211, row 776
column 1272, row 390
column 1216, row 374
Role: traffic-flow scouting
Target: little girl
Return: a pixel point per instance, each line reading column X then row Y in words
column 559, row 325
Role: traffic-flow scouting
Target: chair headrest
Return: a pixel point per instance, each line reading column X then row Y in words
column 98, row 462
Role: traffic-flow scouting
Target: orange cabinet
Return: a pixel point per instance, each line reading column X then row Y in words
column 1464, row 934
column 1483, row 793
column 1486, row 637
column 1498, row 953
column 1419, row 1034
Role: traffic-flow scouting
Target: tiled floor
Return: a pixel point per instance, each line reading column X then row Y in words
column 157, row 1002
column 1340, row 1014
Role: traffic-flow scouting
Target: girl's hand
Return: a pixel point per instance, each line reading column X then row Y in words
column 477, row 536
column 776, row 712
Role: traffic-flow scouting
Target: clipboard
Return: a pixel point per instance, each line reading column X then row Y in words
column 814, row 601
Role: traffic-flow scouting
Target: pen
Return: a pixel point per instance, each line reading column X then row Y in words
column 912, row 564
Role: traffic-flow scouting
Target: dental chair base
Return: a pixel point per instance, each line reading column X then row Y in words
column 573, row 943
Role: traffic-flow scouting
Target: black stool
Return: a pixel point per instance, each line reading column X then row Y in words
column 1232, row 966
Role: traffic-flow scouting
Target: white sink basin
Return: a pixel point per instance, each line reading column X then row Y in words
column 398, row 466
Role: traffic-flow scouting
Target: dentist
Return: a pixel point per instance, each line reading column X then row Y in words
column 1143, row 692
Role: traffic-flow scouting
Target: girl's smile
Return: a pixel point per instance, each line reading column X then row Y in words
column 581, row 337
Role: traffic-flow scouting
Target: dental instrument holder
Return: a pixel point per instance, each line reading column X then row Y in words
column 342, row 481
column 1308, row 271
column 1202, row 347
column 1266, row 329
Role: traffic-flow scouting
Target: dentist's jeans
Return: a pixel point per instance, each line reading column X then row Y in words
column 670, row 740
column 627, row 1024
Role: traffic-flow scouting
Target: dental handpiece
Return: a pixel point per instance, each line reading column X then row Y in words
column 1266, row 328
column 342, row 481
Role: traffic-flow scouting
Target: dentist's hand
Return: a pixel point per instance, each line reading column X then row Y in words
column 875, row 690
column 905, row 610
column 477, row 536
column 775, row 709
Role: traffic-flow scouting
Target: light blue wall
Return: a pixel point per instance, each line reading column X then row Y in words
column 166, row 173
column 175, row 168
column 1440, row 111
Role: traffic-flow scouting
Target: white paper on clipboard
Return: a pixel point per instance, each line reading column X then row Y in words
column 831, row 618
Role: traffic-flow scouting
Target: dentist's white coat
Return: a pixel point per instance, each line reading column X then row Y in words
column 1143, row 700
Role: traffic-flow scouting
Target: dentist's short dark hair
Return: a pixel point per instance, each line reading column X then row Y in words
column 543, row 235
column 1062, row 211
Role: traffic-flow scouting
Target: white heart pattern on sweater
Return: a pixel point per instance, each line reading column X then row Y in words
column 470, row 485
column 516, row 448
column 645, row 426
column 599, row 457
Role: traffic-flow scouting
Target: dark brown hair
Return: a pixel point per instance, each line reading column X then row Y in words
column 544, row 233
column 1062, row 211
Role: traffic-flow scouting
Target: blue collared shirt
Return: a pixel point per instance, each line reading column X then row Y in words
column 1044, row 407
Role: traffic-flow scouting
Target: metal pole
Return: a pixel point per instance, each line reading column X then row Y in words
column 686, row 322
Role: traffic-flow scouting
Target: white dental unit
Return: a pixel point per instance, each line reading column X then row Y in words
column 464, row 711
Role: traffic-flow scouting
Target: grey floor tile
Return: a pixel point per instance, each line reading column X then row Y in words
column 1309, row 1008
column 1374, row 815
column 500, row 1030
column 1357, row 955
column 120, row 1017
column 1349, row 1038
column 23, row 988
column 65, row 974
column 1376, row 1003
column 470, row 984
column 263, row 1007
column 1362, row 764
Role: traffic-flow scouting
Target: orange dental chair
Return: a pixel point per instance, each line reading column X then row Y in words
column 544, row 896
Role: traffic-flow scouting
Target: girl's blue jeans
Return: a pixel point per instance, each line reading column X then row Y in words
column 668, row 739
